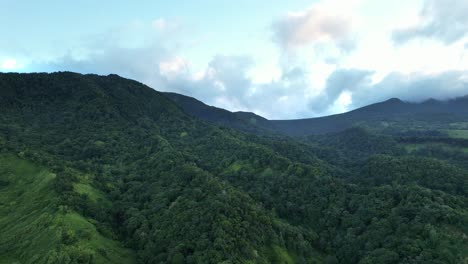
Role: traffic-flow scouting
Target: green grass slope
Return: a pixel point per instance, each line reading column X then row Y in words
column 35, row 230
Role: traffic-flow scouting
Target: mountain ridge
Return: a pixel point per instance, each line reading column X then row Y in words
column 391, row 109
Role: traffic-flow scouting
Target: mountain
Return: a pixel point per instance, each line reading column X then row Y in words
column 244, row 121
column 125, row 174
column 384, row 115
column 102, row 169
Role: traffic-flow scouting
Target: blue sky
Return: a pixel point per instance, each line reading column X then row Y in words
column 279, row 59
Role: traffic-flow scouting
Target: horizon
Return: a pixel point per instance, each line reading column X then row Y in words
column 269, row 119
column 294, row 60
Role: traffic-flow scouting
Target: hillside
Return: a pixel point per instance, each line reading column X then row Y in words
column 244, row 121
column 135, row 145
column 35, row 228
column 122, row 172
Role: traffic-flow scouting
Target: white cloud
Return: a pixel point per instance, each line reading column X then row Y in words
column 343, row 103
column 173, row 67
column 347, row 89
column 445, row 20
column 429, row 57
column 415, row 86
column 160, row 24
column 326, row 22
column 165, row 25
column 375, row 50
column 343, row 81
column 9, row 64
column 317, row 81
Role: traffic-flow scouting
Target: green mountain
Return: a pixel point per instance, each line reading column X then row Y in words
column 101, row 169
column 244, row 121
column 392, row 115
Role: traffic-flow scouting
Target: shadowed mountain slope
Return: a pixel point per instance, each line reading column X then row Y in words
column 378, row 115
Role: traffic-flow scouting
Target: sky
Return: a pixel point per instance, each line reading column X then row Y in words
column 280, row 59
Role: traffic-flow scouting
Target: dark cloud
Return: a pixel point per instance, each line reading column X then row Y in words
column 445, row 20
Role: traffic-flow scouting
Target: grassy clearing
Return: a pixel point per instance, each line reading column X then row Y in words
column 410, row 148
column 458, row 133
column 459, row 125
column 413, row 147
column 235, row 167
column 280, row 255
column 283, row 256
column 93, row 194
column 35, row 230
column 26, row 210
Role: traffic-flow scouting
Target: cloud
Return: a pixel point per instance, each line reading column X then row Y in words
column 160, row 24
column 444, row 20
column 324, row 22
column 340, row 81
column 136, row 50
column 414, row 87
column 225, row 76
column 409, row 87
column 174, row 67
column 141, row 63
column 226, row 81
column 165, row 25
column 9, row 64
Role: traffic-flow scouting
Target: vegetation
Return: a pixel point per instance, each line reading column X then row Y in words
column 106, row 170
column 36, row 229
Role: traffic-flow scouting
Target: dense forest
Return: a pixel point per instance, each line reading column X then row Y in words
column 102, row 169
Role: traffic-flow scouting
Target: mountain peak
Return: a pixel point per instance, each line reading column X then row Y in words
column 431, row 101
column 394, row 100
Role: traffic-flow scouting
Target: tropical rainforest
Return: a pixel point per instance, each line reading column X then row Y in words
column 102, row 169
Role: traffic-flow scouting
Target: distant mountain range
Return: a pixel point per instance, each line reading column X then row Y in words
column 380, row 115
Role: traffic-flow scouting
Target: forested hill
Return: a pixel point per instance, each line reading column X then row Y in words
column 102, row 169
column 244, row 121
column 132, row 170
column 392, row 113
column 382, row 116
